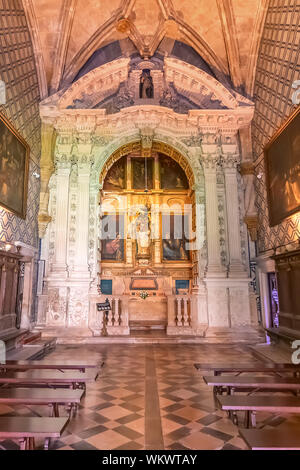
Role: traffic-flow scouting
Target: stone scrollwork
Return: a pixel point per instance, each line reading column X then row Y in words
column 78, row 308
column 57, row 306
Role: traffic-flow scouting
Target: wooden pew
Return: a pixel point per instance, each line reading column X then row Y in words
column 253, row 404
column 220, row 369
column 81, row 366
column 26, row 430
column 49, row 397
column 34, row 378
column 232, row 383
column 272, row 439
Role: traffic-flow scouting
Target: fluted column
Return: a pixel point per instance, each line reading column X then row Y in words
column 214, row 267
column 236, row 268
column 59, row 267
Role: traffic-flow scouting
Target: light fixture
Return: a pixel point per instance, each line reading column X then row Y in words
column 146, row 175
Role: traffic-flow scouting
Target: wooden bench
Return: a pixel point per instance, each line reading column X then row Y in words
column 220, row 369
column 253, row 404
column 52, row 398
column 26, row 430
column 81, row 366
column 272, row 439
column 34, row 378
column 232, row 383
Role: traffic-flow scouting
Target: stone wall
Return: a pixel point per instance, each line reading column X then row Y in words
column 18, row 71
column 278, row 67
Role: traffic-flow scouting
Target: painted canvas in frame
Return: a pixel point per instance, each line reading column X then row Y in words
column 282, row 163
column 14, row 163
column 175, row 228
column 112, row 238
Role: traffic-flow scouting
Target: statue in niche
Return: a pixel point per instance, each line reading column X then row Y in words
column 142, row 232
column 146, row 85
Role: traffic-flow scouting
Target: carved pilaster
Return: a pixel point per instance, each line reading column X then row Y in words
column 59, row 267
column 82, row 221
column 236, row 268
column 214, row 266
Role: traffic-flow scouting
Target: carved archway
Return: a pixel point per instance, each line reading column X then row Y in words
column 158, row 146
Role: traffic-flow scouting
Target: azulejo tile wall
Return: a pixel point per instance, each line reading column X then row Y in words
column 18, row 71
column 278, row 67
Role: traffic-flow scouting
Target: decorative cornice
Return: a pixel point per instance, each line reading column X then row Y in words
column 196, row 121
column 247, row 168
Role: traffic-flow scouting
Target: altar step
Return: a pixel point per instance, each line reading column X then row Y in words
column 226, row 336
column 147, row 326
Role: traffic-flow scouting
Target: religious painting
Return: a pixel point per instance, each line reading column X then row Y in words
column 282, row 163
column 175, row 241
column 112, row 238
column 115, row 179
column 14, row 163
column 142, row 173
column 172, row 175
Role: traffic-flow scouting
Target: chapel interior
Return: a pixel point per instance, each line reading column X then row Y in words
column 149, row 224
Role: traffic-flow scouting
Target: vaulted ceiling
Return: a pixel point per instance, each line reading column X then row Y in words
column 65, row 33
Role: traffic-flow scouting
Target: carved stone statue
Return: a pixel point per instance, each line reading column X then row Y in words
column 146, row 86
column 142, row 232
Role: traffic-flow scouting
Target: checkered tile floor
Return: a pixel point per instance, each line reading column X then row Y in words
column 149, row 397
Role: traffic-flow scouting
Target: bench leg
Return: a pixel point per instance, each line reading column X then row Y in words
column 253, row 419
column 46, row 443
column 76, row 408
column 31, row 443
column 235, row 418
column 23, row 444
column 247, row 419
column 56, row 410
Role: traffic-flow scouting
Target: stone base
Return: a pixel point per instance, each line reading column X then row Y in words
column 118, row 330
column 185, row 331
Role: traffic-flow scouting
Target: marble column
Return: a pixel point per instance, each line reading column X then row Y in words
column 214, row 267
column 59, row 266
column 81, row 268
column 236, row 268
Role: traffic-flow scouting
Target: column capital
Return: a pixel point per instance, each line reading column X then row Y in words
column 84, row 168
column 63, row 166
column 210, row 162
column 230, row 162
